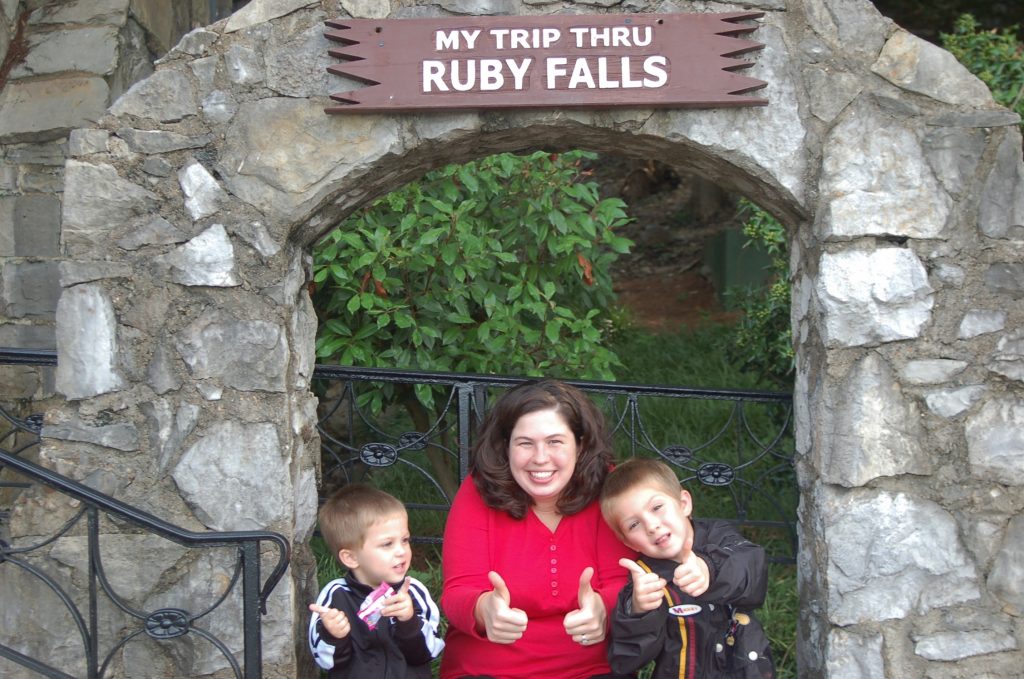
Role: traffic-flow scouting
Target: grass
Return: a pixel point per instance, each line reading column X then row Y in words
column 687, row 358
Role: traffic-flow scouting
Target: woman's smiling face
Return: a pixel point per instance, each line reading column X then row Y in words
column 542, row 454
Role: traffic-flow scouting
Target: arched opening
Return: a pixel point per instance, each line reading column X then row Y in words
column 359, row 446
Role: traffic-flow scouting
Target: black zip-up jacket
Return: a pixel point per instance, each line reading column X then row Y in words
column 711, row 636
column 393, row 650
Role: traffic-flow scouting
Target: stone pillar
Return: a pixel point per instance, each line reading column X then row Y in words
column 908, row 394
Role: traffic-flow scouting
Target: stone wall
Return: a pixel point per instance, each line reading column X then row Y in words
column 185, row 334
column 73, row 59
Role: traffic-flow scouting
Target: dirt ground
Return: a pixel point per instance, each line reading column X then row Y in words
column 663, row 281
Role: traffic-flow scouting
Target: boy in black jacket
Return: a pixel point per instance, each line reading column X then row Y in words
column 359, row 627
column 687, row 605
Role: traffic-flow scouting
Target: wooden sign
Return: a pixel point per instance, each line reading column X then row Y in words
column 677, row 60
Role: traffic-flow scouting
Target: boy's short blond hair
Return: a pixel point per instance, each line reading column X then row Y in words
column 347, row 515
column 634, row 474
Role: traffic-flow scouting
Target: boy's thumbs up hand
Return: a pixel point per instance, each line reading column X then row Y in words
column 586, row 625
column 647, row 587
column 502, row 623
column 692, row 574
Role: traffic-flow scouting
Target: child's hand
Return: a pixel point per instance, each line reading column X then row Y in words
column 335, row 621
column 692, row 575
column 399, row 604
column 647, row 587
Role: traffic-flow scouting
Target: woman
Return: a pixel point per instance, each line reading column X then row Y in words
column 530, row 569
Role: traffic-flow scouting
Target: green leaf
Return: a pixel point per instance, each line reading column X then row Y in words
column 552, row 330
column 432, row 236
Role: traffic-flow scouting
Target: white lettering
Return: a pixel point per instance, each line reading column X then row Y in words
column 499, row 37
column 466, row 75
column 581, row 75
column 555, row 68
column 656, row 66
column 615, row 36
column 519, row 71
column 600, row 37
column 467, row 84
column 627, row 76
column 519, row 39
column 470, row 37
column 450, row 40
column 578, row 32
column 433, row 74
column 550, row 37
column 490, row 75
column 446, row 40
column 606, row 83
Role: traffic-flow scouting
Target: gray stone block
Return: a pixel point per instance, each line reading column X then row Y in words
column 1006, row 278
column 37, row 225
column 7, row 204
column 1007, row 576
column 995, row 442
column 30, row 289
column 87, row 343
column 81, row 12
column 873, row 297
column 87, row 141
column 42, row 110
column 122, row 436
column 883, row 560
column 219, row 483
column 91, row 49
column 166, row 96
column 33, row 336
column 877, row 431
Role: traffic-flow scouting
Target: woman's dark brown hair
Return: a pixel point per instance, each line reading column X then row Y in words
column 489, row 463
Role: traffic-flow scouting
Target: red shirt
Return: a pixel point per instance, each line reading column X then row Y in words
column 542, row 570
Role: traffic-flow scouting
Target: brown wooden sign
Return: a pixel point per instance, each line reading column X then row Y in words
column 678, row 60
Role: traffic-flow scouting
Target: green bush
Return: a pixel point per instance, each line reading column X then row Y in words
column 996, row 57
column 763, row 340
column 500, row 265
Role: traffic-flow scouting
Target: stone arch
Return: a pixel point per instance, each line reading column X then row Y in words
column 184, row 321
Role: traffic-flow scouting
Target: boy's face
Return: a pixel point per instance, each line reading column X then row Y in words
column 653, row 522
column 385, row 554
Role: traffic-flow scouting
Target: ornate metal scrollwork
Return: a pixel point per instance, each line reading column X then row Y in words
column 378, row 454
column 167, row 623
column 716, row 474
column 413, row 440
column 679, row 454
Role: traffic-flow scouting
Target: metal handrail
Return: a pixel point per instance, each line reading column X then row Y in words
column 165, row 623
column 155, row 524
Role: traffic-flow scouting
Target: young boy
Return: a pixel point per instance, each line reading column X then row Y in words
column 367, row 531
column 687, row 604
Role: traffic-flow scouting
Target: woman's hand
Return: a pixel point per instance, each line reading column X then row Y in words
column 495, row 615
column 335, row 621
column 647, row 587
column 399, row 604
column 586, row 625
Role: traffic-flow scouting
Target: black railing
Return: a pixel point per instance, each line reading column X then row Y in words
column 28, row 557
column 731, row 448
